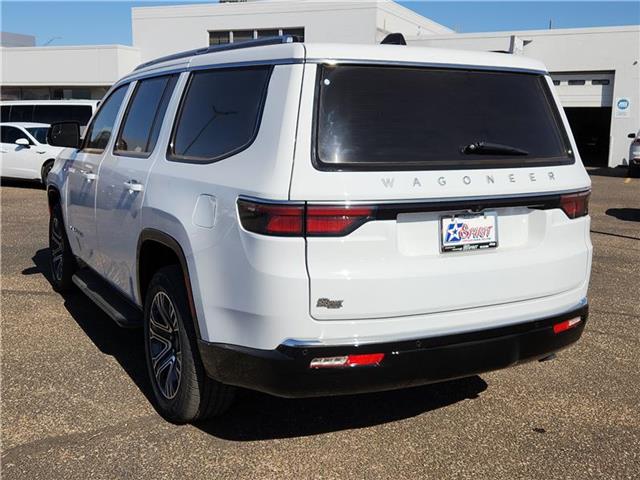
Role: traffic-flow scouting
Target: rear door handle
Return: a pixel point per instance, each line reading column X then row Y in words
column 133, row 186
column 89, row 176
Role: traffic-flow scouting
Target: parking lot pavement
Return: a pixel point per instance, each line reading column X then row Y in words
column 75, row 396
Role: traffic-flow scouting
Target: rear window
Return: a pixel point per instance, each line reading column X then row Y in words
column 380, row 118
column 62, row 113
column 220, row 114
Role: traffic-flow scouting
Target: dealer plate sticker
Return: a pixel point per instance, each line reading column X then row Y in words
column 468, row 232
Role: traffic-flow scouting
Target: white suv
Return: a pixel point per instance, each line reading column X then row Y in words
column 314, row 219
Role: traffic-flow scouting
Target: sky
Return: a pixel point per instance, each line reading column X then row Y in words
column 99, row 22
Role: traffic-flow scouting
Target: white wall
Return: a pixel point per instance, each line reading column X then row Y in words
column 163, row 30
column 607, row 49
column 67, row 65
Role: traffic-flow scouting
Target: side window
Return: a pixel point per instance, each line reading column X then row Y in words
column 5, row 111
column 11, row 134
column 21, row 113
column 143, row 119
column 220, row 113
column 99, row 132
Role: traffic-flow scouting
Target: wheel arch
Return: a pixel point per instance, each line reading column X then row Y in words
column 155, row 250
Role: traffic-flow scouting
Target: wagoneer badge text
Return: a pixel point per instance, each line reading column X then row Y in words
column 531, row 177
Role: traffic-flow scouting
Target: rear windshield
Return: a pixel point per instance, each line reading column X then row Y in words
column 380, row 118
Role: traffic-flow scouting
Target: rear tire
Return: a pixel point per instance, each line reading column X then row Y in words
column 44, row 172
column 181, row 388
column 61, row 259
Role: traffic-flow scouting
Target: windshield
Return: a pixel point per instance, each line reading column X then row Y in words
column 39, row 133
column 376, row 118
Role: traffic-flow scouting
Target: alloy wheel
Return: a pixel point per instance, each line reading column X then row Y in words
column 57, row 248
column 164, row 345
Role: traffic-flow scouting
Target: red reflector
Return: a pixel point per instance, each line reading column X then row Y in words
column 566, row 325
column 336, row 220
column 575, row 204
column 365, row 359
column 361, row 360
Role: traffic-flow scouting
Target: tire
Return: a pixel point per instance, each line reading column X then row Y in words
column 182, row 391
column 46, row 168
column 634, row 171
column 61, row 259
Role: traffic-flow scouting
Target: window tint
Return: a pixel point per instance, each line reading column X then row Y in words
column 39, row 133
column 5, row 111
column 21, row 113
column 11, row 134
column 99, row 131
column 220, row 113
column 600, row 82
column 143, row 119
column 371, row 117
column 62, row 113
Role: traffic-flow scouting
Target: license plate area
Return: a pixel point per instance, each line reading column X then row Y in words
column 464, row 232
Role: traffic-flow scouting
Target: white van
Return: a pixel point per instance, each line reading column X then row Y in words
column 321, row 219
column 48, row 111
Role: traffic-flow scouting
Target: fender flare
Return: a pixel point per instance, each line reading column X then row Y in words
column 152, row 234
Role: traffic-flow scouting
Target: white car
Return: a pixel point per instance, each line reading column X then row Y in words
column 320, row 219
column 24, row 152
column 634, row 155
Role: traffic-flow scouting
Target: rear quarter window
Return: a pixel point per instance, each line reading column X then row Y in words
column 220, row 114
column 416, row 118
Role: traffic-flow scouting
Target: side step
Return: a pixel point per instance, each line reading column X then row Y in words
column 123, row 312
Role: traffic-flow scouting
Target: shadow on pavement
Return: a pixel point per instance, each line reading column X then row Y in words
column 122, row 344
column 257, row 416
column 627, row 214
column 14, row 182
column 620, row 172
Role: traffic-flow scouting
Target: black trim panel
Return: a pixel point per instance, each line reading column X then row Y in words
column 285, row 371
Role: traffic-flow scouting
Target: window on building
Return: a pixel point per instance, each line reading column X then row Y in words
column 143, row 119
column 298, row 32
column 99, row 132
column 268, row 32
column 35, row 93
column 577, row 82
column 220, row 113
column 600, row 81
column 220, row 37
column 243, row 35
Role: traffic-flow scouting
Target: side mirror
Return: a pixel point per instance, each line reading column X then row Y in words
column 631, row 135
column 64, row 134
column 23, row 142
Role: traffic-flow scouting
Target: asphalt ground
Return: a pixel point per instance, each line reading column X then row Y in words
column 75, row 398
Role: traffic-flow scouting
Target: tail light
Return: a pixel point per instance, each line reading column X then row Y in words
column 575, row 204
column 330, row 221
column 302, row 220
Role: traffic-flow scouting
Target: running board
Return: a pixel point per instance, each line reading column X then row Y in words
column 120, row 310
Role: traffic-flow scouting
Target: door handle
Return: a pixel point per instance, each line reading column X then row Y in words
column 133, row 186
column 89, row 176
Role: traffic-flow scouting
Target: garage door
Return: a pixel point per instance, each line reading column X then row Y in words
column 587, row 89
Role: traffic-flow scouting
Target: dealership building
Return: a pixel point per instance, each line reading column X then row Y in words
column 596, row 70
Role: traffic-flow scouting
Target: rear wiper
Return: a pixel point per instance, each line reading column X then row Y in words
column 488, row 148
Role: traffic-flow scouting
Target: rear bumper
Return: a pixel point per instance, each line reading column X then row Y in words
column 285, row 371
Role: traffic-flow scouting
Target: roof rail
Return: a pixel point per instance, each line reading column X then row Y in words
column 260, row 42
